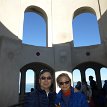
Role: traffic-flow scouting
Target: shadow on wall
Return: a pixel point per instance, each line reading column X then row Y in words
column 103, row 27
column 7, row 33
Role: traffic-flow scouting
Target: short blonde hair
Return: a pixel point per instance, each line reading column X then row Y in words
column 62, row 75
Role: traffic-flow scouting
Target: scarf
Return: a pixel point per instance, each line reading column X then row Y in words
column 67, row 92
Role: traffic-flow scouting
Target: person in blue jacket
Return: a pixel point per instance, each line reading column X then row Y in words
column 67, row 96
column 42, row 96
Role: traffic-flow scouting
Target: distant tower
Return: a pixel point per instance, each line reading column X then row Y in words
column 59, row 55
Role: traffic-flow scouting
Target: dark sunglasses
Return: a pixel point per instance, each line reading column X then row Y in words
column 44, row 78
column 62, row 83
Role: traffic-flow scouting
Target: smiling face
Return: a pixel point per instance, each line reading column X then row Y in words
column 64, row 83
column 45, row 81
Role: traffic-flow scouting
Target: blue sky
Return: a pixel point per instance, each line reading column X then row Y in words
column 85, row 31
column 34, row 32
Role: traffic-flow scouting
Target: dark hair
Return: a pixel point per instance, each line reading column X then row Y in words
column 43, row 71
column 105, row 81
column 90, row 76
column 48, row 70
column 32, row 89
column 78, row 86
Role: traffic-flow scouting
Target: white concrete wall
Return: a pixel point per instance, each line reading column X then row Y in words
column 10, row 12
column 59, row 12
column 28, row 55
column 62, row 12
column 61, row 57
column 103, row 20
column 13, row 56
column 103, row 6
column 9, row 72
column 97, row 54
column 12, row 15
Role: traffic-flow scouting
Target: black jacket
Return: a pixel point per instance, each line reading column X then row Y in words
column 39, row 98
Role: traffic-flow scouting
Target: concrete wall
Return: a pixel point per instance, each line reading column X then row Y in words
column 102, row 21
column 13, row 56
column 9, row 72
column 28, row 55
column 62, row 56
column 59, row 16
column 95, row 54
column 63, row 13
column 16, row 10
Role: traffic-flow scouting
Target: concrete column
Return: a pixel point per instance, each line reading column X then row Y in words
column 22, row 83
column 98, row 77
column 35, row 76
column 82, row 71
column 36, row 83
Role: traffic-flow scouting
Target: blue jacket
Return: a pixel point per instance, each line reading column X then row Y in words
column 39, row 98
column 76, row 99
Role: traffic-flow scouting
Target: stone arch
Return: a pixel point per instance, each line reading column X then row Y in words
column 38, row 10
column 36, row 67
column 76, row 72
column 103, row 72
column 83, row 10
column 29, row 80
column 91, row 64
column 42, row 13
column 88, row 16
column 90, row 72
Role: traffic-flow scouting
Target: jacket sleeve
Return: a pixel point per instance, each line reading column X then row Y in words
column 58, row 99
column 31, row 100
column 28, row 101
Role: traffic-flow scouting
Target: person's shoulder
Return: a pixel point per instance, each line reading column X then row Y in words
column 52, row 93
column 58, row 97
column 40, row 91
column 79, row 94
column 94, row 81
column 34, row 93
column 52, row 96
column 59, row 94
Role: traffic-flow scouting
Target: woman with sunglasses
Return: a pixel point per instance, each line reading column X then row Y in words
column 66, row 96
column 42, row 96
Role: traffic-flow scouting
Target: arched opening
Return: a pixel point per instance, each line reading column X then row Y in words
column 29, row 80
column 90, row 72
column 103, row 72
column 90, row 69
column 85, row 28
column 76, row 76
column 34, row 29
column 30, row 73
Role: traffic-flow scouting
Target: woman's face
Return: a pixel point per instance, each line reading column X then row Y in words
column 45, row 81
column 64, row 83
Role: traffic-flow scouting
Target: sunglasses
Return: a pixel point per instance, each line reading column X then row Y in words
column 44, row 78
column 62, row 83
